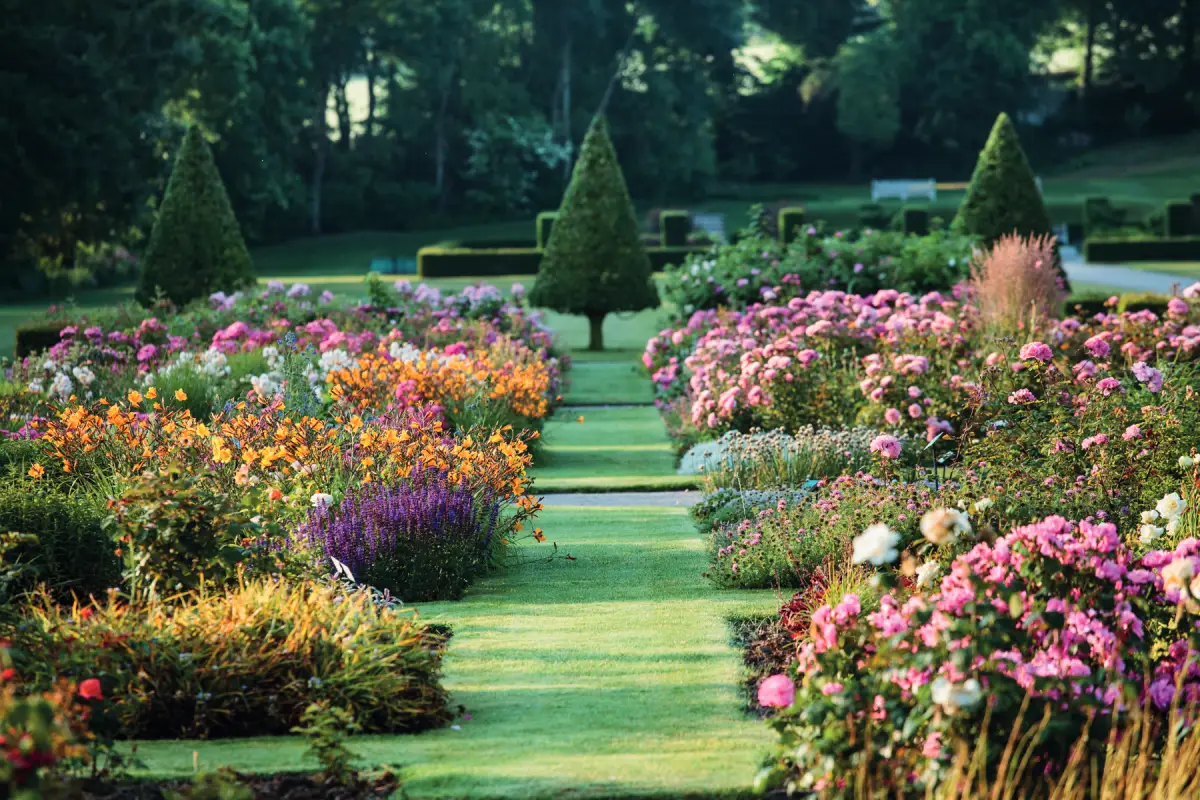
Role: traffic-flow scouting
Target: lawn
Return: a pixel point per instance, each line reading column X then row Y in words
column 1189, row 268
column 600, row 382
column 613, row 449
column 610, row 675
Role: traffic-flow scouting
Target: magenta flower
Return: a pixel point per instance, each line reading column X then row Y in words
column 1098, row 346
column 777, row 691
column 1037, row 351
column 1022, row 397
column 1149, row 376
column 886, row 445
column 1132, row 432
column 146, row 353
column 1108, row 386
column 1177, row 306
column 892, row 416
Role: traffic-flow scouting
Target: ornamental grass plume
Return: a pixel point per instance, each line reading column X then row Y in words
column 1015, row 282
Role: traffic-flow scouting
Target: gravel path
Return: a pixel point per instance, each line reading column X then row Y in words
column 1126, row 277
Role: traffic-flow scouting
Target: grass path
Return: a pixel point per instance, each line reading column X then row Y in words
column 607, row 676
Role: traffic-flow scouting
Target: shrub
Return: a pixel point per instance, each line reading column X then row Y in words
column 71, row 552
column 420, row 541
column 1015, row 281
column 595, row 262
column 196, row 246
column 725, row 506
column 180, row 532
column 1143, row 301
column 244, row 662
column 1100, row 215
column 1002, row 198
column 1055, row 617
column 441, row 262
column 873, row 215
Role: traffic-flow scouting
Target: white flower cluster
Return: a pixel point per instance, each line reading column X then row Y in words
column 211, row 363
column 1169, row 510
column 61, row 386
column 334, row 360
column 267, row 385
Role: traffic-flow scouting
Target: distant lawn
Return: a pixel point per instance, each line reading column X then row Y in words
column 600, row 382
column 1189, row 268
column 612, row 449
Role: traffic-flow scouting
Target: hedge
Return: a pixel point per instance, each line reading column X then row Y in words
column 872, row 215
column 439, row 262
column 916, row 221
column 790, row 219
column 461, row 262
column 674, row 227
column 1186, row 248
column 1143, row 301
column 37, row 336
column 1179, row 220
column 545, row 224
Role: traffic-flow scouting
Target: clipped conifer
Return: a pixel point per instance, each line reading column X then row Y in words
column 595, row 262
column 196, row 247
column 1003, row 196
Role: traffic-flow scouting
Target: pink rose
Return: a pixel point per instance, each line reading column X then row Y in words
column 777, row 691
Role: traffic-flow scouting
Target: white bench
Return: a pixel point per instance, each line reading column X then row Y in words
column 903, row 190
column 712, row 224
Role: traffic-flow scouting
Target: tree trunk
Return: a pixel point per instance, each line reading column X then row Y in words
column 566, row 108
column 1090, row 49
column 596, row 331
column 441, row 144
column 370, row 126
column 320, row 143
column 343, row 113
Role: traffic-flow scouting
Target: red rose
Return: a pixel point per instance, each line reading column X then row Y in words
column 86, row 613
column 8, row 674
column 90, row 689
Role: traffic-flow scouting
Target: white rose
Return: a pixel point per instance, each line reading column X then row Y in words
column 1178, row 574
column 984, row 504
column 1149, row 533
column 877, row 544
column 1186, row 462
column 927, row 572
column 320, row 500
column 953, row 697
column 1149, row 516
column 944, row 525
column 1171, row 506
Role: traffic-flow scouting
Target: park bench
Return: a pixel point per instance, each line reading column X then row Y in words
column 904, row 189
column 712, row 224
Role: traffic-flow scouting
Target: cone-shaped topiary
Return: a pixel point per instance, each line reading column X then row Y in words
column 1003, row 196
column 595, row 261
column 196, row 246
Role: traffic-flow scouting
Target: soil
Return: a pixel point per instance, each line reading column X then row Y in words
column 288, row 786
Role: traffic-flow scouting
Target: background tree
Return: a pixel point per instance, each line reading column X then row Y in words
column 1003, row 196
column 595, row 262
column 196, row 246
column 868, row 104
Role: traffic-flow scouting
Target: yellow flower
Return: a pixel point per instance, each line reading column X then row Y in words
column 37, row 471
column 151, row 393
column 580, row 419
column 180, row 395
column 135, row 397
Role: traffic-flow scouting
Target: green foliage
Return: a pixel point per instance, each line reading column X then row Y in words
column 595, row 262
column 222, row 784
column 326, row 728
column 868, row 84
column 1002, row 197
column 1143, row 301
column 244, row 662
column 180, row 532
column 196, row 246
column 69, row 550
column 872, row 215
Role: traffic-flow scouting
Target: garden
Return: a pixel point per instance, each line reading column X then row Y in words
column 940, row 536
